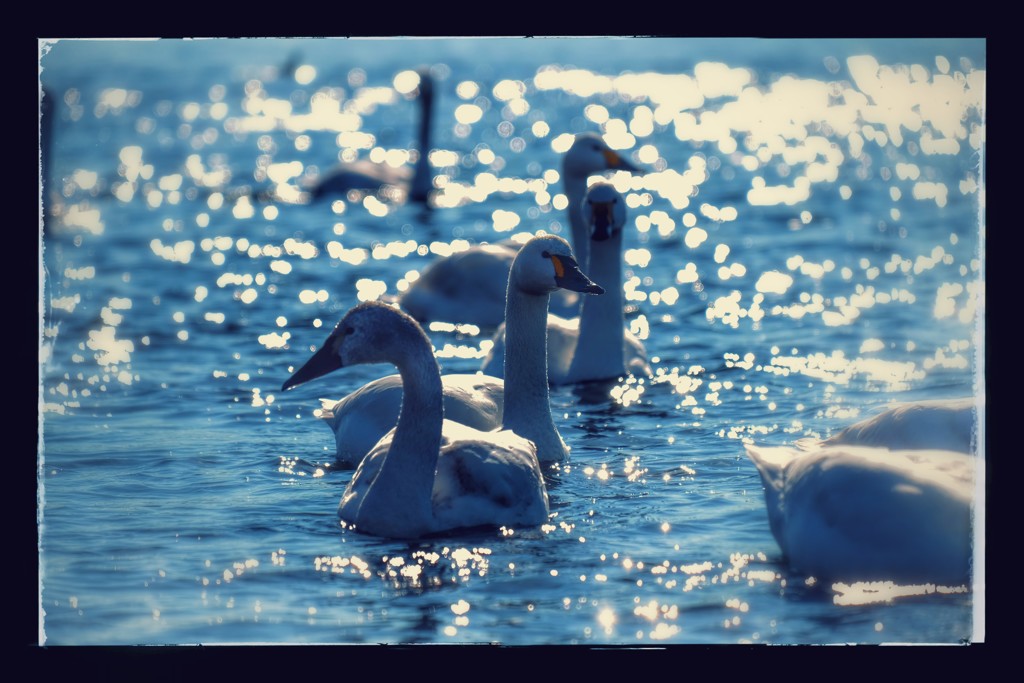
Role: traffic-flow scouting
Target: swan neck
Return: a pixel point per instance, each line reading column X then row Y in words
column 599, row 351
column 421, row 183
column 527, row 411
column 426, row 114
column 575, row 188
column 406, row 477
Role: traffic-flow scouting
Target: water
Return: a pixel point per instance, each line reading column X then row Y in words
column 186, row 500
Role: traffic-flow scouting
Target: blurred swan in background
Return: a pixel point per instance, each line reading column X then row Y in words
column 868, row 513
column 428, row 474
column 596, row 345
column 519, row 403
column 365, row 175
column 469, row 287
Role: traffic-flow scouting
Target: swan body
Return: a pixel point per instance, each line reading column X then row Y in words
column 468, row 287
column 946, row 424
column 595, row 346
column 427, row 475
column 868, row 513
column 519, row 402
column 383, row 179
column 360, row 419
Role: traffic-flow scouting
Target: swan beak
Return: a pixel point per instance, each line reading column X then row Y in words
column 325, row 360
column 569, row 276
column 618, row 162
column 602, row 221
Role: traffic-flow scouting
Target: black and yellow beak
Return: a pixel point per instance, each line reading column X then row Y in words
column 569, row 276
column 325, row 360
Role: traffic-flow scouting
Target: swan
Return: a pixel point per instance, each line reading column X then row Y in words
column 868, row 513
column 469, row 287
column 427, row 475
column 519, row 403
column 947, row 424
column 596, row 345
column 379, row 177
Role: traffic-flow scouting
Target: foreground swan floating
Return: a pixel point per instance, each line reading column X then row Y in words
column 520, row 402
column 867, row 513
column 596, row 345
column 382, row 178
column 427, row 475
column 469, row 287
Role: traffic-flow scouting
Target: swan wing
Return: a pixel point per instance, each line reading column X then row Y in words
column 487, row 479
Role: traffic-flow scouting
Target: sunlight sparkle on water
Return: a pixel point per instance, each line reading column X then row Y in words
column 884, row 592
column 695, row 237
column 82, row 217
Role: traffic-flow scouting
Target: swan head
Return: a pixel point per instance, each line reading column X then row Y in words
column 546, row 263
column 371, row 332
column 590, row 154
column 604, row 212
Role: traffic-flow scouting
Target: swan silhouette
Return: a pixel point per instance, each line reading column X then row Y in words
column 427, row 475
column 382, row 178
column 595, row 346
column 469, row 286
column 519, row 403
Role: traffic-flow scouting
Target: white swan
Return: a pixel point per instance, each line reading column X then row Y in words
column 596, row 345
column 944, row 424
column 868, row 513
column 428, row 474
column 520, row 402
column 469, row 287
column 382, row 178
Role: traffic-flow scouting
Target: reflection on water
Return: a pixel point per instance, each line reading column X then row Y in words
column 805, row 248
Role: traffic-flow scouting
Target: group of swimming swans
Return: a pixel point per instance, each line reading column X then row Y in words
column 889, row 497
column 430, row 473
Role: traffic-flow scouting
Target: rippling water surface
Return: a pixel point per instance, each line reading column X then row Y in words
column 806, row 247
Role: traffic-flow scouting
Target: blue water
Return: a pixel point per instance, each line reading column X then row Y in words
column 185, row 499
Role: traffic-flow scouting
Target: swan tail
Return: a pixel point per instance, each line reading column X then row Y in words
column 771, row 463
column 327, row 408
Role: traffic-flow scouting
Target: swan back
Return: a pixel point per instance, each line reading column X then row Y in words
column 863, row 513
column 949, row 424
column 468, row 286
column 363, row 417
